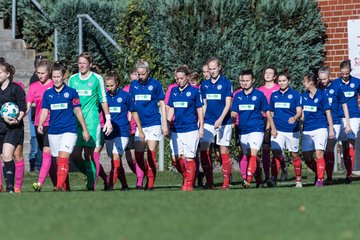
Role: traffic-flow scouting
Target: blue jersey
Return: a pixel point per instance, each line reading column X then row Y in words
column 250, row 107
column 336, row 98
column 284, row 107
column 185, row 104
column 61, row 106
column 351, row 91
column 119, row 105
column 146, row 97
column 215, row 95
column 315, row 110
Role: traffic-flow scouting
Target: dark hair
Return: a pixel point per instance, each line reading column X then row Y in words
column 312, row 77
column 247, row 72
column 133, row 70
column 8, row 68
column 184, row 69
column 194, row 76
column 214, row 59
column 269, row 67
column 284, row 73
column 112, row 74
column 345, row 64
column 2, row 59
column 44, row 63
column 87, row 56
column 58, row 66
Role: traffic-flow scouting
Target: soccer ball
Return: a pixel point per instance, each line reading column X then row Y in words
column 9, row 109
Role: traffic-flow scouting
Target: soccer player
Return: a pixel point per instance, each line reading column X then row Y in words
column 91, row 90
column 351, row 88
column 63, row 104
column 120, row 104
column 35, row 95
column 147, row 93
column 285, row 106
column 186, row 104
column 11, row 129
column 318, row 126
column 249, row 105
column 337, row 102
column 130, row 148
column 217, row 94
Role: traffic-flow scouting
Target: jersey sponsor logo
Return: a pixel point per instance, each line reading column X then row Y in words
column 254, row 98
column 84, row 93
column 352, row 85
column 115, row 109
column 142, row 97
column 66, row 95
column 180, row 104
column 349, row 94
column 310, row 108
column 282, row 105
column 331, row 91
column 246, row 107
column 290, row 96
column 213, row 96
column 58, row 106
column 188, row 94
column 219, row 87
column 150, row 88
column 119, row 99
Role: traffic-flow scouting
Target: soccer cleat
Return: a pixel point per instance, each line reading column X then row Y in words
column 319, row 183
column 209, row 186
column 245, row 184
column 348, row 180
column 271, row 183
column 107, row 184
column 36, row 187
column 109, row 188
column 259, row 185
column 298, row 185
column 17, row 190
column 328, row 182
column 223, row 187
column 139, row 188
column 126, row 188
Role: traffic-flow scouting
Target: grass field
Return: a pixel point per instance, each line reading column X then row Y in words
column 167, row 213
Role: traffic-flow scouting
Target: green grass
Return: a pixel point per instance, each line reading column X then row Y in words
column 167, row 213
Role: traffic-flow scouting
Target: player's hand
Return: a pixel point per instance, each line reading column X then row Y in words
column 40, row 129
column 274, row 132
column 11, row 121
column 217, row 124
column 201, row 133
column 108, row 128
column 331, row 133
column 291, row 120
column 86, row 135
column 347, row 129
column 165, row 130
column 142, row 136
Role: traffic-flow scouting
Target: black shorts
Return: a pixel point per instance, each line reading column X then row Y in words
column 42, row 139
column 131, row 143
column 14, row 136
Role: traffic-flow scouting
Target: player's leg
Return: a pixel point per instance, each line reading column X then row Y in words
column 205, row 154
column 320, row 141
column 223, row 139
column 189, row 142
column 120, row 144
column 19, row 167
column 253, row 142
column 178, row 161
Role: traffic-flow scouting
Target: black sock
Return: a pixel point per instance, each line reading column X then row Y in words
column 9, row 175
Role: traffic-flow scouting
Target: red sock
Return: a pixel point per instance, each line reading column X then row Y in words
column 352, row 159
column 275, row 167
column 122, row 176
column 320, row 167
column 151, row 170
column 206, row 164
column 226, row 169
column 190, row 174
column 251, row 168
column 62, row 171
column 115, row 165
column 329, row 164
column 297, row 168
column 66, row 185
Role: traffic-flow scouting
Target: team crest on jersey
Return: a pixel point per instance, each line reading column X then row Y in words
column 219, row 87
column 188, row 94
column 66, row 95
column 316, row 100
column 90, row 84
column 331, row 91
column 254, row 98
column 119, row 100
column 150, row 88
column 352, row 85
column 290, row 96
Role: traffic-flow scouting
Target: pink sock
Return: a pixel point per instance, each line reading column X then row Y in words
column 97, row 165
column 19, row 173
column 243, row 166
column 266, row 162
column 45, row 166
column 139, row 176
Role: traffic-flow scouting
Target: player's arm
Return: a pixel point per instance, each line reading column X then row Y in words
column 200, row 114
column 297, row 116
column 347, row 118
column 170, row 114
column 204, row 106
column 330, row 122
column 108, row 128
column 164, row 124
column 224, row 112
column 80, row 117
column 135, row 115
column 43, row 115
column 28, row 107
column 271, row 122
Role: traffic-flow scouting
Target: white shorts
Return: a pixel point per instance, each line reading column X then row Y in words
column 64, row 142
column 184, row 143
column 337, row 130
column 153, row 133
column 252, row 140
column 223, row 134
column 286, row 140
column 354, row 125
column 314, row 140
column 116, row 145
